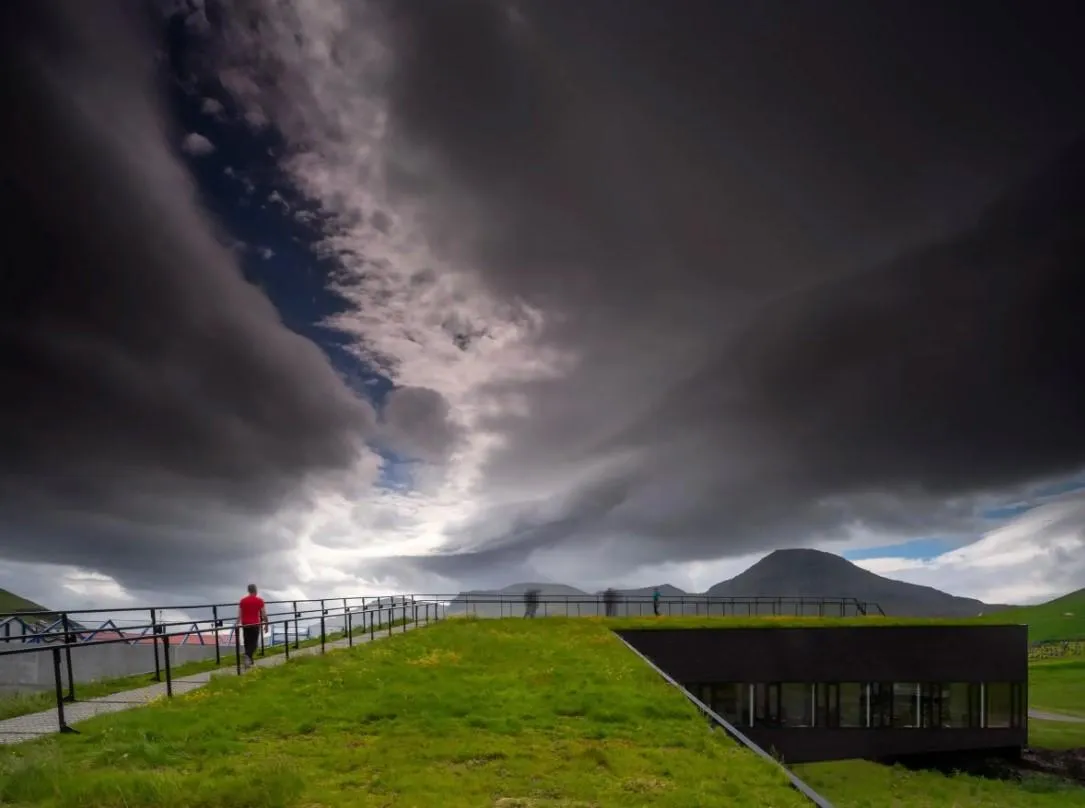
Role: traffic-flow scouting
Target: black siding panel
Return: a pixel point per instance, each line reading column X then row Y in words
column 846, row 654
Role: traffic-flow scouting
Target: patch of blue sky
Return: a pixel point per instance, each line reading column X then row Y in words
column 1037, row 496
column 1069, row 486
column 273, row 228
column 396, row 472
column 914, row 548
column 274, row 231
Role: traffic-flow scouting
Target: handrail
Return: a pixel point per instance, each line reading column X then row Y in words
column 733, row 731
column 409, row 609
column 63, row 625
column 486, row 597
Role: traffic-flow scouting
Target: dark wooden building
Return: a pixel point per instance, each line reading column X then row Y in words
column 877, row 692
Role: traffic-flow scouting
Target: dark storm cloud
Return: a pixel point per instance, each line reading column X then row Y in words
column 415, row 423
column 759, row 228
column 155, row 407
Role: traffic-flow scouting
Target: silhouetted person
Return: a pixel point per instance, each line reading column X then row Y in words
column 531, row 602
column 655, row 601
column 610, row 600
column 252, row 617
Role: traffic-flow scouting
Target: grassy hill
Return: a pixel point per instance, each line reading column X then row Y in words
column 10, row 602
column 1059, row 619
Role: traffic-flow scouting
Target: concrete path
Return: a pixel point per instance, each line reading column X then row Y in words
column 1043, row 715
column 35, row 725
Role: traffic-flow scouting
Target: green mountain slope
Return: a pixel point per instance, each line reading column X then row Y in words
column 1059, row 619
column 10, row 602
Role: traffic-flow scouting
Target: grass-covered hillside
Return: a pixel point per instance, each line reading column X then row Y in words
column 1059, row 619
column 10, row 602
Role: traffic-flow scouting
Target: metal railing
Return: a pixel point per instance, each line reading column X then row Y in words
column 483, row 604
column 59, row 632
column 384, row 614
column 733, row 731
column 33, row 628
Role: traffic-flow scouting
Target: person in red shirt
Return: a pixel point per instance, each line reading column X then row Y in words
column 252, row 616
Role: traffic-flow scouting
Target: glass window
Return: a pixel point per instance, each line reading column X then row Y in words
column 999, row 705
column 852, row 704
column 960, row 705
column 828, row 701
column 796, row 704
column 930, row 704
column 767, row 704
column 905, row 698
column 732, row 702
column 1020, row 707
column 880, row 709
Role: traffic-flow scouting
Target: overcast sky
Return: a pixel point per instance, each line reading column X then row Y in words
column 351, row 297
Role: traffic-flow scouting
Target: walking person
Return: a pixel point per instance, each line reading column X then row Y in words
column 531, row 602
column 655, row 601
column 610, row 601
column 252, row 617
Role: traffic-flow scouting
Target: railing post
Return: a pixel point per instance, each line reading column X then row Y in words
column 62, row 724
column 347, row 624
column 166, row 643
column 237, row 646
column 68, row 639
column 323, row 612
column 217, row 624
column 263, row 651
column 372, row 622
column 391, row 616
column 296, row 629
column 154, row 633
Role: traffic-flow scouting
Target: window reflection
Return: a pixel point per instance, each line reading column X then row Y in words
column 732, row 702
column 877, row 705
column 767, row 705
column 880, row 707
column 959, row 706
column 828, row 705
column 999, row 705
column 905, row 702
column 796, row 705
column 852, row 704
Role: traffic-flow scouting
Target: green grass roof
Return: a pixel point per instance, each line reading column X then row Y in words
column 509, row 713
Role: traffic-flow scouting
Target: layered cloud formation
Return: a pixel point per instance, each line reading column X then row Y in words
column 646, row 289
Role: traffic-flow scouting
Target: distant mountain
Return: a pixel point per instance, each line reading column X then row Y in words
column 545, row 590
column 814, row 573
column 508, row 601
column 665, row 590
column 783, row 573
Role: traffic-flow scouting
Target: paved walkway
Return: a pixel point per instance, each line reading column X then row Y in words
column 1043, row 715
column 35, row 725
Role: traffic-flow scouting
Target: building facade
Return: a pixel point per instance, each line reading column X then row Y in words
column 825, row 693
